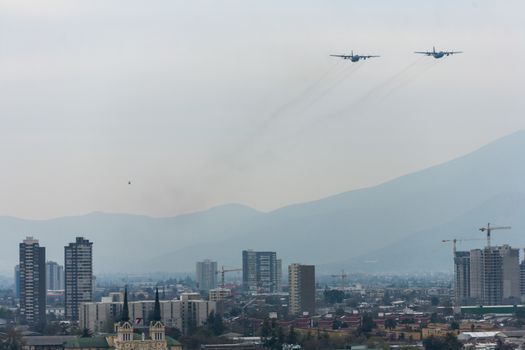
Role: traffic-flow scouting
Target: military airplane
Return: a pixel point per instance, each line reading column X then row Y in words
column 352, row 57
column 438, row 54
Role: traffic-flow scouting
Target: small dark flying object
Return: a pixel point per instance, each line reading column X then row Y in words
column 129, row 182
column 354, row 58
column 438, row 54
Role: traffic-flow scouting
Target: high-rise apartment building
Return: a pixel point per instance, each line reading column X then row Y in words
column 462, row 278
column 522, row 277
column 78, row 258
column 206, row 273
column 279, row 287
column 54, row 276
column 32, row 282
column 260, row 271
column 495, row 275
column 301, row 281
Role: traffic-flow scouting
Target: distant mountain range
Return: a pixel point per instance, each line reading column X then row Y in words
column 393, row 227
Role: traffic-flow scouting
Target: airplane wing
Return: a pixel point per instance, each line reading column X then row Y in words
column 369, row 56
column 342, row 56
column 452, row 52
column 424, row 52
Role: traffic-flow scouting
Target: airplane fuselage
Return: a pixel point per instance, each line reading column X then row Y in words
column 352, row 58
column 438, row 54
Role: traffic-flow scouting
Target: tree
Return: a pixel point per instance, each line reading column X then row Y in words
column 501, row 345
column 390, row 323
column 86, row 333
column 265, row 330
column 449, row 342
column 292, row 336
column 11, row 340
column 173, row 332
column 367, row 323
column 217, row 326
column 333, row 296
column 280, row 336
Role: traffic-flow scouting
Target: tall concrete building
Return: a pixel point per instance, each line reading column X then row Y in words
column 462, row 278
column 54, row 276
column 522, row 278
column 78, row 258
column 206, row 273
column 495, row 275
column 260, row 271
column 301, row 281
column 32, row 282
column 279, row 287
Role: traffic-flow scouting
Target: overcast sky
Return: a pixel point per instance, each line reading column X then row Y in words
column 200, row 103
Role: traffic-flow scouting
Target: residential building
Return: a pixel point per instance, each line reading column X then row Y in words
column 32, row 282
column 495, row 275
column 522, row 277
column 260, row 271
column 279, row 277
column 206, row 273
column 218, row 294
column 78, row 258
column 54, row 276
column 301, row 282
column 188, row 311
column 462, row 278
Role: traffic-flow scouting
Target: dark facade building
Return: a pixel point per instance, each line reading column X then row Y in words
column 78, row 258
column 32, row 281
column 260, row 271
column 522, row 277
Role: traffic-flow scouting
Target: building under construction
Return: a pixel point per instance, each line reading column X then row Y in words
column 488, row 276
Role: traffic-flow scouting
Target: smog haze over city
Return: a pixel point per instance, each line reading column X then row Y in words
column 249, row 175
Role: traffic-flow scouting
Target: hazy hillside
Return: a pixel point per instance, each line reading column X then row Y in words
column 121, row 241
column 397, row 225
column 425, row 251
column 355, row 223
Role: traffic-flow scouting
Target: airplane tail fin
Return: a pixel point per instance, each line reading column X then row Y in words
column 433, row 49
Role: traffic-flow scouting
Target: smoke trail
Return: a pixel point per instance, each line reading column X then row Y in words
column 374, row 91
column 409, row 80
column 344, row 76
column 276, row 114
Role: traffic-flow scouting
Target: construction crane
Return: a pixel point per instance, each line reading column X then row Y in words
column 456, row 240
column 222, row 271
column 489, row 229
column 343, row 277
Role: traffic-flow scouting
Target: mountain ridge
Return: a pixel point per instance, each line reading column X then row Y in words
column 331, row 230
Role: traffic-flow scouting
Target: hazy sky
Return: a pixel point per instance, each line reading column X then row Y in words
column 200, row 103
